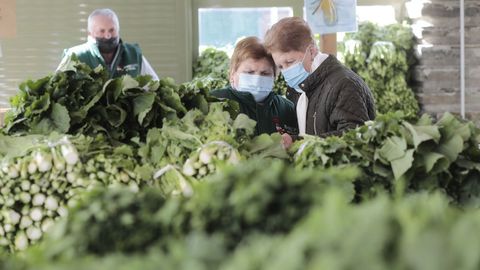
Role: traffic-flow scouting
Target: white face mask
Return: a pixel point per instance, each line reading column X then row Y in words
column 259, row 86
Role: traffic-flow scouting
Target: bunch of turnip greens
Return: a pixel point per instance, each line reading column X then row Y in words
column 79, row 99
column 393, row 152
column 384, row 57
column 40, row 176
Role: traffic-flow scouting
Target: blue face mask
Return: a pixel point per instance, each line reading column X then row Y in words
column 259, row 86
column 296, row 74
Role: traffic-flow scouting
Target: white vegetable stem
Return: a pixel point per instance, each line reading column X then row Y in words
column 70, row 153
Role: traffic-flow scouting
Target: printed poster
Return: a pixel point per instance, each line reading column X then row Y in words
column 331, row 16
column 8, row 24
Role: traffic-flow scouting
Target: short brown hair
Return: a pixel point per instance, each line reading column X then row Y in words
column 288, row 34
column 249, row 47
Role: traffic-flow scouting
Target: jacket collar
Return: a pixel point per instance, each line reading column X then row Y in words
column 247, row 98
column 318, row 76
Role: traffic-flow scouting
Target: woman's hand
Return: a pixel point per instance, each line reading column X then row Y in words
column 286, row 140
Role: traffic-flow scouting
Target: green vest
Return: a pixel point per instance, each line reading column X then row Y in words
column 274, row 113
column 127, row 59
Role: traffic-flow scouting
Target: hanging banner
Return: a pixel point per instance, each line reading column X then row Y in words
column 331, row 16
column 8, row 21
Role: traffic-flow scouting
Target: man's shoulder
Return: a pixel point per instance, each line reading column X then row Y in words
column 132, row 46
column 79, row 49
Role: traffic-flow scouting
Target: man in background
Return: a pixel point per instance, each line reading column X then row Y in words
column 104, row 47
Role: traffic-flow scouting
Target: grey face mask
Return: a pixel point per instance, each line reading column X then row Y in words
column 107, row 45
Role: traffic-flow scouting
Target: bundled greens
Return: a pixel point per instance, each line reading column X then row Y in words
column 203, row 162
column 177, row 139
column 35, row 189
column 212, row 62
column 384, row 58
column 392, row 151
column 246, row 201
column 418, row 232
column 154, row 173
column 38, row 182
column 82, row 100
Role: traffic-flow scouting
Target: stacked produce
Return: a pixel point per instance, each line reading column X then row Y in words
column 203, row 161
column 81, row 100
column 384, row 58
column 418, row 232
column 246, row 202
column 154, row 173
column 35, row 189
column 150, row 163
column 212, row 63
column 123, row 230
column 393, row 152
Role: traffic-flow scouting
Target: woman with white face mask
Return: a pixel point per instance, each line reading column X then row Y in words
column 252, row 73
column 329, row 98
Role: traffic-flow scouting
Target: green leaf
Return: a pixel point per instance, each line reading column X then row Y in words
column 423, row 133
column 452, row 147
column 60, row 118
column 128, row 83
column 38, row 106
column 259, row 143
column 157, row 153
column 17, row 146
column 45, row 126
column 145, row 171
column 115, row 115
column 142, row 105
column 451, row 126
column 430, row 159
column 464, row 132
column 143, row 80
column 401, row 165
column 201, row 103
column 112, row 89
column 393, row 148
column 79, row 116
column 425, row 120
column 69, row 64
column 177, row 134
column 123, row 150
column 380, row 169
column 269, row 146
column 244, row 122
column 33, row 87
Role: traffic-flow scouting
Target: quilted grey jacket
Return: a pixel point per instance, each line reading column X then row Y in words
column 338, row 99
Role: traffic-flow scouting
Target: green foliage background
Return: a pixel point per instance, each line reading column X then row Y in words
column 384, row 57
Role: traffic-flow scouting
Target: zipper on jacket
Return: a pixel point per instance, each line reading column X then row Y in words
column 315, row 123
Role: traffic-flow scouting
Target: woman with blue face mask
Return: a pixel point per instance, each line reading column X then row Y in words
column 252, row 73
column 329, row 98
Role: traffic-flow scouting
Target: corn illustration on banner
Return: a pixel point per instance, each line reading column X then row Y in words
column 331, row 16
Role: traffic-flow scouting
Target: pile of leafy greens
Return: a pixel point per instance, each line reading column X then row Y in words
column 82, row 100
column 384, row 57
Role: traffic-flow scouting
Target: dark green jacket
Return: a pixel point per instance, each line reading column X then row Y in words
column 127, row 59
column 274, row 112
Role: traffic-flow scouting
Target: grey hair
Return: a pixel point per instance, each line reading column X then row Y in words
column 103, row 12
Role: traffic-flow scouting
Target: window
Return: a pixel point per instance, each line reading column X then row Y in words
column 383, row 14
column 222, row 27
